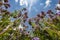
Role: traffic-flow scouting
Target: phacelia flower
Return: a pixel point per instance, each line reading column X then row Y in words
column 35, row 38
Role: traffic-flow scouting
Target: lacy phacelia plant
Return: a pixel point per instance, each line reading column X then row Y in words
column 45, row 26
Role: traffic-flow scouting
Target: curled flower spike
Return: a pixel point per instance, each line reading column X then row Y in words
column 26, row 14
column 42, row 13
column 25, row 26
column 1, row 3
column 38, row 15
column 51, row 16
column 37, row 20
column 41, row 16
column 15, row 17
column 49, row 12
column 19, row 15
column 7, row 13
column 7, row 5
column 24, row 9
column 29, row 21
column 57, row 8
column 27, row 33
column 2, row 10
column 5, row 0
column 58, row 14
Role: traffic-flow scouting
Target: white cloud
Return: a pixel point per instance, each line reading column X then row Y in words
column 16, row 0
column 47, row 3
column 28, row 3
column 24, row 2
column 58, row 5
column 32, row 2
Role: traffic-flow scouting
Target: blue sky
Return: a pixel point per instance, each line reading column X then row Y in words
column 34, row 6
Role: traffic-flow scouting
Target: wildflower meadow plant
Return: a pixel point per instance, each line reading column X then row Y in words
column 42, row 27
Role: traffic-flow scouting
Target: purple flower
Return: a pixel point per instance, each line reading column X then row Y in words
column 35, row 38
column 58, row 13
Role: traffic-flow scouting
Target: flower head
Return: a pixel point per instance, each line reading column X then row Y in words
column 35, row 38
